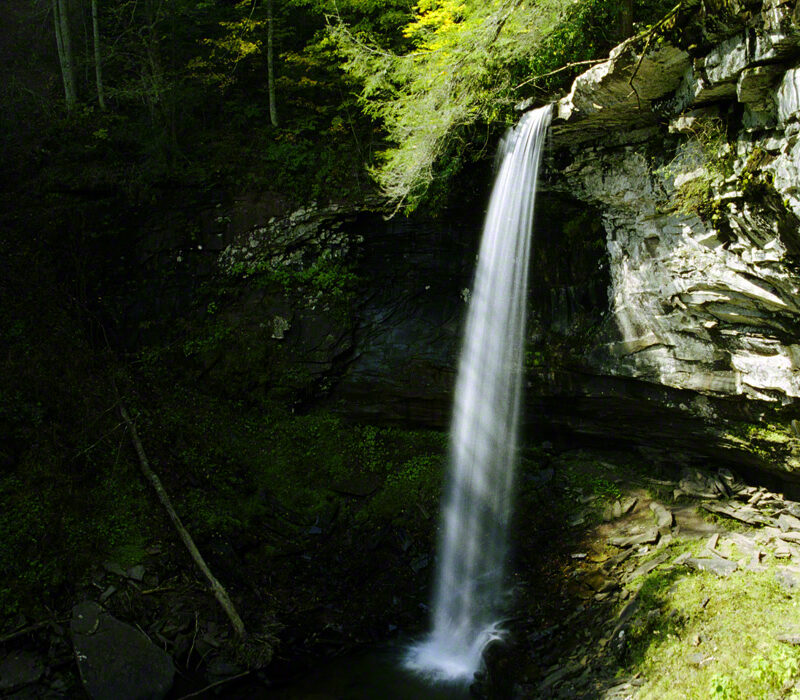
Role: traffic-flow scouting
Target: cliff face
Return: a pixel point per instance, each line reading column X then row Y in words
column 665, row 301
column 690, row 155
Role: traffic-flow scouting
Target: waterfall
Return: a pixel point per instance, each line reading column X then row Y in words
column 485, row 423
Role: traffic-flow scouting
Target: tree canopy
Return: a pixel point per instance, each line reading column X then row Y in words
column 467, row 62
column 298, row 94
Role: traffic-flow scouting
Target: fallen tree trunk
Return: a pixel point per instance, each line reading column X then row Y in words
column 219, row 591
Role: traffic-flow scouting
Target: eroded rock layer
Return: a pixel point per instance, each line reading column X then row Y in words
column 690, row 156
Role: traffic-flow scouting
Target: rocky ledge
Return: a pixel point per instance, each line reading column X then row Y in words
column 647, row 571
column 687, row 149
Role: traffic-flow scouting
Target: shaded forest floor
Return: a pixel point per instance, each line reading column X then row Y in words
column 626, row 583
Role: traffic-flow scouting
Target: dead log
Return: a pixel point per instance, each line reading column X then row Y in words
column 219, row 591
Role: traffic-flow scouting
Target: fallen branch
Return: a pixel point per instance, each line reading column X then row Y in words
column 219, row 592
column 29, row 629
column 214, row 685
column 194, row 637
column 160, row 589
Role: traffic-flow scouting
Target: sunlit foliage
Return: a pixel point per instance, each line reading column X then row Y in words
column 466, row 63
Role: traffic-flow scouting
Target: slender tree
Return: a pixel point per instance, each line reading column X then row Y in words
column 98, row 63
column 626, row 19
column 273, row 110
column 65, row 57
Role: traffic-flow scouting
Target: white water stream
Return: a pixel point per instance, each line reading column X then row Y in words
column 469, row 587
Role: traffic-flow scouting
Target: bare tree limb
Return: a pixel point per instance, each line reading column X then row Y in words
column 219, row 591
column 30, row 628
column 650, row 33
column 574, row 64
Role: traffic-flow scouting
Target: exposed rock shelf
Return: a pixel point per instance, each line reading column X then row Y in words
column 690, row 156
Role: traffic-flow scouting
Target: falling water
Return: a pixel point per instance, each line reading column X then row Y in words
column 483, row 436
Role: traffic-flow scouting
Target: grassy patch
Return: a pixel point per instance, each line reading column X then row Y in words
column 699, row 636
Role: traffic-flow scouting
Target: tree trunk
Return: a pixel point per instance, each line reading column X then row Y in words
column 64, row 46
column 98, row 63
column 69, row 59
column 273, row 110
column 626, row 19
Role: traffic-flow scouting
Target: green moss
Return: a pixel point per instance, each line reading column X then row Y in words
column 131, row 552
column 732, row 623
column 52, row 529
column 229, row 466
column 240, row 462
column 768, row 441
column 770, row 433
column 589, row 476
column 416, row 483
column 696, row 197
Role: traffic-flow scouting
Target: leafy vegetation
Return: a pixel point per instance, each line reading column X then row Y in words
column 240, row 464
column 708, row 157
column 230, row 466
column 187, row 94
column 466, row 65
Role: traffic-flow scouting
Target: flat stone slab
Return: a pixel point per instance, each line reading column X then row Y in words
column 789, row 579
column 788, row 522
column 647, row 567
column 720, row 567
column 744, row 515
column 745, row 544
column 792, row 507
column 117, row 661
column 649, row 536
column 700, row 485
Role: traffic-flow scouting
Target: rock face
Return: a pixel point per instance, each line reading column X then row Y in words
column 694, row 176
column 117, row 661
column 665, row 301
column 701, row 235
column 417, row 276
column 344, row 304
column 18, row 670
column 618, row 93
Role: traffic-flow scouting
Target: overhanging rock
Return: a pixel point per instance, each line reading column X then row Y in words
column 618, row 93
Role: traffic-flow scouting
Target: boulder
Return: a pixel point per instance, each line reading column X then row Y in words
column 19, row 669
column 116, row 661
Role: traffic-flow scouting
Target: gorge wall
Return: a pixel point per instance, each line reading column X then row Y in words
column 686, row 144
column 665, row 303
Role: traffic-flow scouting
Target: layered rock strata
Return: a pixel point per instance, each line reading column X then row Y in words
column 692, row 159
